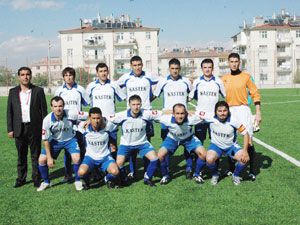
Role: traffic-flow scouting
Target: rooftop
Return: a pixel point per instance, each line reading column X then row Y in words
column 109, row 24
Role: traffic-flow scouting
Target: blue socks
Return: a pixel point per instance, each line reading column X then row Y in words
column 44, row 173
column 238, row 169
column 75, row 168
column 213, row 168
column 199, row 165
column 163, row 167
column 151, row 169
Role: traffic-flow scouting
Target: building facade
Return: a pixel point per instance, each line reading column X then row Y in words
column 190, row 60
column 110, row 40
column 53, row 66
column 270, row 50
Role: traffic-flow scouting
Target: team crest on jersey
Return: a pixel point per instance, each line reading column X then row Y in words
column 201, row 113
column 43, row 131
column 154, row 112
column 80, row 113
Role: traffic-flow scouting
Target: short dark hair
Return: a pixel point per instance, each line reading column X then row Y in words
column 134, row 97
column 95, row 110
column 207, row 61
column 69, row 70
column 135, row 58
column 174, row 61
column 101, row 65
column 222, row 104
column 234, row 55
column 57, row 99
column 179, row 105
column 24, row 68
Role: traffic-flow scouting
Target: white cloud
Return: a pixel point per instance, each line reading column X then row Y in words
column 29, row 4
column 24, row 50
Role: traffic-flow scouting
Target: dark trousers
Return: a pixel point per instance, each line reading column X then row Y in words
column 27, row 138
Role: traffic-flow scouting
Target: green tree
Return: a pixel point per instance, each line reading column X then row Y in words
column 7, row 77
column 40, row 80
column 83, row 78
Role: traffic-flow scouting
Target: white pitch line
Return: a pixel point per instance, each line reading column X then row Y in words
column 273, row 103
column 272, row 149
column 278, row 152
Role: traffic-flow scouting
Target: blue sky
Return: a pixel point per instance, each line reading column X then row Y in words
column 27, row 25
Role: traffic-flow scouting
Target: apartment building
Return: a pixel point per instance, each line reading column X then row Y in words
column 191, row 59
column 270, row 49
column 113, row 40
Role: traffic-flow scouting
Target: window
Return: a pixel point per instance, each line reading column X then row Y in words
column 263, row 48
column 148, row 49
column 148, row 64
column 263, row 76
column 148, row 35
column 70, row 56
column 263, row 62
column 120, row 36
column 263, row 34
column 69, row 38
column 38, row 67
column 297, row 33
column 280, row 48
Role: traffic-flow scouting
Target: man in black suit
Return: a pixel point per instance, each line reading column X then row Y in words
column 26, row 109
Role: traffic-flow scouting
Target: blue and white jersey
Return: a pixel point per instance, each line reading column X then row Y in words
column 174, row 91
column 179, row 132
column 142, row 86
column 207, row 92
column 73, row 97
column 134, row 129
column 224, row 134
column 103, row 95
column 96, row 141
column 64, row 129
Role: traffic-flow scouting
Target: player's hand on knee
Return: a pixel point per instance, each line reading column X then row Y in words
column 50, row 163
column 244, row 156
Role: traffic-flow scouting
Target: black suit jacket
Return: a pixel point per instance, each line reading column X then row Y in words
column 38, row 110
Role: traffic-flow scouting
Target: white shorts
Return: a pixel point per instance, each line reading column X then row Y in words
column 243, row 114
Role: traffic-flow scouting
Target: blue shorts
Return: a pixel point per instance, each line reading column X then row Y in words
column 231, row 151
column 103, row 163
column 190, row 144
column 70, row 146
column 143, row 149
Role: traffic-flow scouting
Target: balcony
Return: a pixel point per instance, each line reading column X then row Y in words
column 93, row 59
column 284, row 40
column 123, row 56
column 285, row 54
column 94, row 44
column 284, row 69
column 125, row 42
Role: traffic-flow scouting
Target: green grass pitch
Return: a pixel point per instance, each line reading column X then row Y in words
column 274, row 198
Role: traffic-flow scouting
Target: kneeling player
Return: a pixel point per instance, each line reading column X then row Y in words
column 223, row 141
column 58, row 134
column 97, row 154
column 133, row 122
column 180, row 133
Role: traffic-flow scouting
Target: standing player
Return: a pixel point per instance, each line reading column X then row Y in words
column 139, row 82
column 102, row 93
column 58, row 134
column 133, row 123
column 181, row 133
column 236, row 85
column 175, row 89
column 223, row 141
column 97, row 154
column 206, row 90
column 74, row 98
